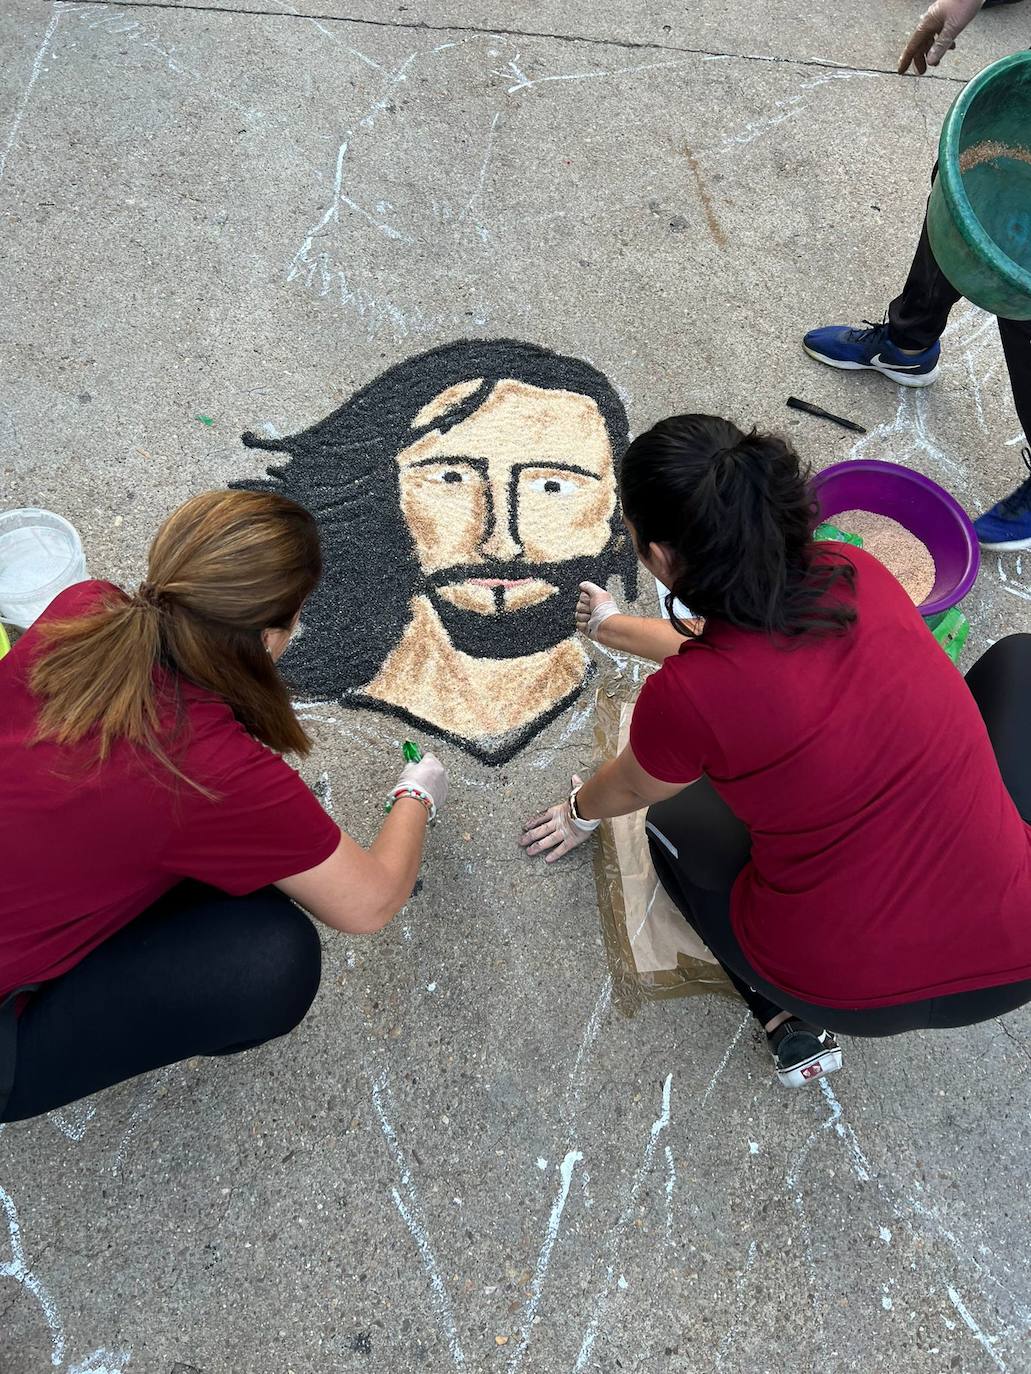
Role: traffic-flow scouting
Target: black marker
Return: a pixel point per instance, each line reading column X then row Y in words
column 796, row 404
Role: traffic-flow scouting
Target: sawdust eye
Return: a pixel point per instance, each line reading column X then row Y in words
column 452, row 476
column 554, row 486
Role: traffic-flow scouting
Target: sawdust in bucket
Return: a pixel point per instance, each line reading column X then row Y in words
column 990, row 150
column 901, row 552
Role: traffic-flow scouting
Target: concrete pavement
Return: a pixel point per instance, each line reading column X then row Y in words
column 465, row 1158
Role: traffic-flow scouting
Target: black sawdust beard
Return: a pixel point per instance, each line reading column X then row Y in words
column 524, row 630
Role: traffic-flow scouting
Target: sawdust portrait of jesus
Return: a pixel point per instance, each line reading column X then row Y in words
column 461, row 496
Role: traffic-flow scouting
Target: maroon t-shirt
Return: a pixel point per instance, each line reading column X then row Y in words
column 87, row 847
column 889, row 863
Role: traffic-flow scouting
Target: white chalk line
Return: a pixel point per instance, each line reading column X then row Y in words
column 336, row 39
column 864, row 1172
column 477, row 194
column 573, row 1157
column 605, row 1293
column 74, row 1119
column 725, row 1060
column 579, row 716
column 150, row 1093
column 16, row 1268
column 986, row 1342
column 785, row 109
column 411, row 1214
column 911, row 426
column 569, row 1112
column 37, row 67
column 671, row 1183
column 331, row 213
column 102, row 1361
column 740, row 1283
column 574, row 1090
column 135, row 32
column 522, row 82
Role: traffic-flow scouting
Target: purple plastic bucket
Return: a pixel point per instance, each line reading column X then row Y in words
column 926, row 509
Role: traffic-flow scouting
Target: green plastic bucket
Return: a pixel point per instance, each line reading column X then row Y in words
column 979, row 218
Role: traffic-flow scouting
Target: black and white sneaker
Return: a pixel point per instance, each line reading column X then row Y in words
column 803, row 1053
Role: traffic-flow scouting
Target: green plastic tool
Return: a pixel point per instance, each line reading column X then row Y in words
column 950, row 629
column 828, row 531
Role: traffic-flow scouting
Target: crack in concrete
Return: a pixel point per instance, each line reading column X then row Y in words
column 487, row 31
column 1012, row 1035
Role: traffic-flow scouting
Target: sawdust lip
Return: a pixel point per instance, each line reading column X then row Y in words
column 505, row 582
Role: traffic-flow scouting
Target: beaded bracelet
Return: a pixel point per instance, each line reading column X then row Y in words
column 417, row 793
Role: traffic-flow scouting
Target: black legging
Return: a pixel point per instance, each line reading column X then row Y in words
column 713, row 846
column 197, row 973
column 919, row 315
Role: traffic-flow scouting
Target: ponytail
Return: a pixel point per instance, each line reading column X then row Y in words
column 222, row 569
column 96, row 672
column 736, row 512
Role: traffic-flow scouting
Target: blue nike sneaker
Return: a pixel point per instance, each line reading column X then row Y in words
column 840, row 346
column 1008, row 524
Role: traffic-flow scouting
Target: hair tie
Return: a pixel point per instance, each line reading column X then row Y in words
column 150, row 595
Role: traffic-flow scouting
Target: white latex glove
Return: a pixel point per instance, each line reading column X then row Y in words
column 937, row 32
column 555, row 830
column 593, row 606
column 430, row 775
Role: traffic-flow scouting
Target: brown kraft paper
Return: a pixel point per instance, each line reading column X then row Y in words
column 652, row 951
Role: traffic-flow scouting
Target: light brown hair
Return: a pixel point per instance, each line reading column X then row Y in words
column 222, row 568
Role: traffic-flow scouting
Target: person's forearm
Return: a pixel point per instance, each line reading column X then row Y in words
column 398, row 851
column 606, row 794
column 644, row 636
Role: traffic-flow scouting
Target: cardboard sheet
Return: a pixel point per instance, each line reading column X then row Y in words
column 653, row 953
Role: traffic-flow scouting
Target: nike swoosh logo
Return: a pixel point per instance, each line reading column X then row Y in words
column 896, row 367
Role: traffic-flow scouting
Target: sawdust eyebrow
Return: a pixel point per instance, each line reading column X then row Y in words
column 481, row 463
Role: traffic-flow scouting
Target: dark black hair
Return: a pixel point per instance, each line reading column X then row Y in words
column 344, row 470
column 737, row 512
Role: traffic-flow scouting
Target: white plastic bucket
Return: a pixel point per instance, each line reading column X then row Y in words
column 40, row 555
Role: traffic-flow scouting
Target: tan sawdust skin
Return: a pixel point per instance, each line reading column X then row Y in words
column 901, row 552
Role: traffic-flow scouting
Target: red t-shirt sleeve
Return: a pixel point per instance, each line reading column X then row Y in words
column 668, row 737
column 265, row 824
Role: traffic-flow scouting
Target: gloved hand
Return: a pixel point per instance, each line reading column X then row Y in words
column 428, row 776
column 937, row 32
column 555, row 830
column 594, row 606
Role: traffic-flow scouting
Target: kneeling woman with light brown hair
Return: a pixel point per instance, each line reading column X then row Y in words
column 153, row 837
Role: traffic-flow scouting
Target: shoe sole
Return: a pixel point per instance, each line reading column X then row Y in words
column 1009, row 546
column 818, row 1066
column 902, row 378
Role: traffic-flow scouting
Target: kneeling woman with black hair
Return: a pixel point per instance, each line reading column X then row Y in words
column 839, row 815
column 152, row 838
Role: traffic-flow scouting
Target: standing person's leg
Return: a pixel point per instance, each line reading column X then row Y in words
column 905, row 346
column 1016, row 346
column 199, row 973
column 1008, row 524
column 918, row 315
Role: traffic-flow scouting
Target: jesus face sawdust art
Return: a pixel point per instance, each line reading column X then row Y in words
column 461, row 496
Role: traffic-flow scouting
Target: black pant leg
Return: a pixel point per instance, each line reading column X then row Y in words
column 712, row 847
column 918, row 316
column 1000, row 683
column 199, row 973
column 1016, row 345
